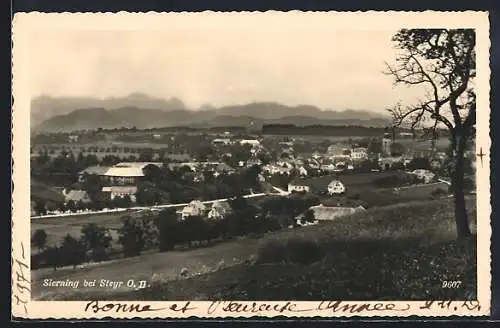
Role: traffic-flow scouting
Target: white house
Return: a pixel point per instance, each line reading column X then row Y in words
column 219, row 210
column 336, row 188
column 298, row 186
column 425, row 175
column 251, row 142
column 194, row 208
column 222, row 141
column 359, row 153
column 303, row 171
column 121, row 191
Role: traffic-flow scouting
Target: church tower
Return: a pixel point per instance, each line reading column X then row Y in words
column 386, row 143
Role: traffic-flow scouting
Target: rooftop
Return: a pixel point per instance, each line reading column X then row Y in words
column 129, row 169
column 95, row 169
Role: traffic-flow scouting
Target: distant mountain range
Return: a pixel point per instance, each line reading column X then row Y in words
column 68, row 114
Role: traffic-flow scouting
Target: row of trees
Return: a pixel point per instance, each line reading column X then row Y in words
column 43, row 207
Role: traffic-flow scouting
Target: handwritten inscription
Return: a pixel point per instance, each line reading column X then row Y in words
column 96, row 307
column 340, row 306
column 280, row 308
column 21, row 286
column 469, row 305
column 254, row 307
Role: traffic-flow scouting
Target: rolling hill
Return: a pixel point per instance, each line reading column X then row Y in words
column 142, row 112
column 45, row 107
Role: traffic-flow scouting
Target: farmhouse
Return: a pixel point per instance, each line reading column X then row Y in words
column 336, row 187
column 222, row 142
column 424, row 175
column 359, row 154
column 194, row 208
column 120, row 192
column 219, row 210
column 251, row 142
column 298, row 185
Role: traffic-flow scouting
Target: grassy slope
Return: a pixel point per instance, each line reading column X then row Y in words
column 399, row 252
column 40, row 190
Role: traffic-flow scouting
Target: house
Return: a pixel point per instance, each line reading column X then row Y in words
column 424, row 175
column 156, row 136
column 336, row 188
column 127, row 173
column 222, row 142
column 76, row 196
column 303, row 171
column 359, row 154
column 120, row 192
column 73, row 138
column 284, row 170
column 219, row 210
column 298, row 185
column 251, row 142
column 194, row 208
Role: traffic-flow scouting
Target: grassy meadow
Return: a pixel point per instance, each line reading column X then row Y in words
column 397, row 252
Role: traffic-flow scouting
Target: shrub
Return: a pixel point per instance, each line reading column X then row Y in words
column 308, row 216
column 39, row 239
column 52, row 257
column 71, row 252
column 168, row 230
column 131, row 236
column 96, row 239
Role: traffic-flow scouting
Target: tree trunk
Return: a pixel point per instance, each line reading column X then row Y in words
column 461, row 218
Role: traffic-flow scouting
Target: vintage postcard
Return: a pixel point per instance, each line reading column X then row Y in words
column 319, row 164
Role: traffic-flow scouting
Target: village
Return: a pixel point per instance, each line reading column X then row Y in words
column 344, row 168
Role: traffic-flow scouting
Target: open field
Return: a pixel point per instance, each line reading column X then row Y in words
column 398, row 252
column 149, row 267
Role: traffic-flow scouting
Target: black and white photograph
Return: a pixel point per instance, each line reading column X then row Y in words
column 234, row 158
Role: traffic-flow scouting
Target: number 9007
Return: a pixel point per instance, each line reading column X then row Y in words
column 451, row 284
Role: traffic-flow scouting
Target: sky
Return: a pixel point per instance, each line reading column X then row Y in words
column 313, row 65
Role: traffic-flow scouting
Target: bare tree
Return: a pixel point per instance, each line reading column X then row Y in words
column 442, row 63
